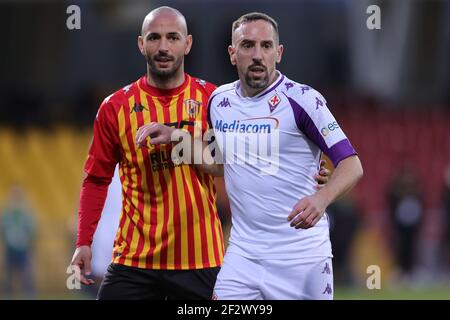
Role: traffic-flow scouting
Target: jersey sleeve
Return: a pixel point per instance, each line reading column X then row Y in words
column 206, row 123
column 315, row 120
column 104, row 152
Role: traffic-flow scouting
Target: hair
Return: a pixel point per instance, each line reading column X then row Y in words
column 255, row 16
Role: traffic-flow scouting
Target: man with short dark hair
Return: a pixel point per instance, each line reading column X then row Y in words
column 279, row 246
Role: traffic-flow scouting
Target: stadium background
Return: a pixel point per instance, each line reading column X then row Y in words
column 389, row 89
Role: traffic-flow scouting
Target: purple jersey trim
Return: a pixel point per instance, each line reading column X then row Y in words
column 339, row 151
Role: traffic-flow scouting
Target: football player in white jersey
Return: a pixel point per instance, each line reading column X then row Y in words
column 279, row 246
column 271, row 132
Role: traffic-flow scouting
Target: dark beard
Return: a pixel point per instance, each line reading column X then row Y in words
column 163, row 75
column 256, row 84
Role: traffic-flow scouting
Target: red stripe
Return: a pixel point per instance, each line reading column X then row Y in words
column 164, row 236
column 202, row 218
column 151, row 187
column 119, row 240
column 198, row 198
column 140, row 224
column 176, row 209
column 214, row 218
column 208, row 183
column 190, row 224
column 130, row 214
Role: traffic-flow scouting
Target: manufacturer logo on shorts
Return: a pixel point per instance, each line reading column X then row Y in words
column 326, row 269
column 328, row 289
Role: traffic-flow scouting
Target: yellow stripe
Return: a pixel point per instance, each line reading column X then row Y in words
column 127, row 182
column 183, row 201
column 217, row 225
column 204, row 194
column 134, row 193
column 147, row 210
column 167, row 176
column 121, row 173
column 159, row 196
column 196, row 215
column 183, row 217
column 195, row 218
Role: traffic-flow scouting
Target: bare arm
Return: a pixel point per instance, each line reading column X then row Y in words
column 212, row 168
column 308, row 211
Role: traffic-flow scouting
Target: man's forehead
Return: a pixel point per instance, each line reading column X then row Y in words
column 258, row 30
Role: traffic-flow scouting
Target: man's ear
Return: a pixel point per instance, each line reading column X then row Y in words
column 141, row 45
column 189, row 41
column 279, row 53
column 232, row 53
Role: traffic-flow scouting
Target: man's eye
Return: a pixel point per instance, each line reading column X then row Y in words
column 173, row 38
column 152, row 38
column 247, row 45
column 267, row 45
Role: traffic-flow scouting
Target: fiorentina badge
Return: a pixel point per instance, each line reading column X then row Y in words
column 273, row 102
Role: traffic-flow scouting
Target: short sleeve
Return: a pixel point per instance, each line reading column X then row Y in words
column 315, row 120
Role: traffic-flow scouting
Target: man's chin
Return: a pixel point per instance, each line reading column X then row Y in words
column 257, row 84
column 163, row 73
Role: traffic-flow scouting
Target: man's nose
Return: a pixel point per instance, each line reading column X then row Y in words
column 257, row 53
column 163, row 45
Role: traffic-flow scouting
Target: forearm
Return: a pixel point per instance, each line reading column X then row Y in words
column 92, row 199
column 199, row 154
column 348, row 172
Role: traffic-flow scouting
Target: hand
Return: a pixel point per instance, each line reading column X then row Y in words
column 158, row 133
column 323, row 176
column 308, row 211
column 82, row 258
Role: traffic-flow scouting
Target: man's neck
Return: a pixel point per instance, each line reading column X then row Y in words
column 166, row 83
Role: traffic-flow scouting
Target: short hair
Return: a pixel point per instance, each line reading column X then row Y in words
column 254, row 16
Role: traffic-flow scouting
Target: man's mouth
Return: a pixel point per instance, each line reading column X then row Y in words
column 163, row 60
column 257, row 70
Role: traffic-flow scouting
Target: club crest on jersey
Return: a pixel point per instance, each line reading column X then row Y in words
column 192, row 107
column 274, row 101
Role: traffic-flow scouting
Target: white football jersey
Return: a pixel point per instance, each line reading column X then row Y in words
column 271, row 145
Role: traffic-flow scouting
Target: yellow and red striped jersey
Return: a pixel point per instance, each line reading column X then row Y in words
column 169, row 218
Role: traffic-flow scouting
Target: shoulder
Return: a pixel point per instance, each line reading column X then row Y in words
column 226, row 89
column 123, row 94
column 112, row 103
column 204, row 86
column 302, row 94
